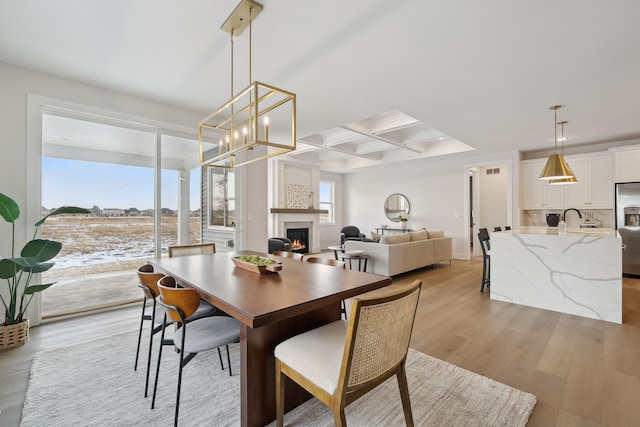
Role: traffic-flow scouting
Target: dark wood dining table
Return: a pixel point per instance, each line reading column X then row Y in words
column 271, row 307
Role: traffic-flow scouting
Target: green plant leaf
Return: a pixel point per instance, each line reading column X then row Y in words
column 9, row 268
column 25, row 262
column 41, row 249
column 9, row 209
column 63, row 210
column 30, row 290
column 40, row 267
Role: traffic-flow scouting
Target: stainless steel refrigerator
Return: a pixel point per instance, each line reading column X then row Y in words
column 628, row 225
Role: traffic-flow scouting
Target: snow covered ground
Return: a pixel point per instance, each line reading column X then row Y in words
column 92, row 245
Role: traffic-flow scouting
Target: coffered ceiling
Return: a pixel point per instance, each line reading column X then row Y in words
column 377, row 80
column 389, row 137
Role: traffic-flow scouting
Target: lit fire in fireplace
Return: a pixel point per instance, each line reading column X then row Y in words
column 296, row 245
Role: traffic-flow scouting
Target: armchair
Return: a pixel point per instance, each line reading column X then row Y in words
column 351, row 232
column 279, row 244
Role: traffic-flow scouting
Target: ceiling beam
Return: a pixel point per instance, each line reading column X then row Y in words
column 363, row 132
column 338, row 149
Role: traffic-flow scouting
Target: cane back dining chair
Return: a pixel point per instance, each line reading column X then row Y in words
column 485, row 245
column 184, row 250
column 286, row 254
column 192, row 337
column 148, row 282
column 342, row 361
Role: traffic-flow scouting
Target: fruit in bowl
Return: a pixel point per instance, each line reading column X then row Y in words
column 257, row 264
column 256, row 259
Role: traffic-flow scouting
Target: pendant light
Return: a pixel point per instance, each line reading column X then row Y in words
column 556, row 167
column 244, row 122
column 563, row 181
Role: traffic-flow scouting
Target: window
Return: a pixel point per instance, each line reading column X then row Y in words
column 326, row 202
column 222, row 197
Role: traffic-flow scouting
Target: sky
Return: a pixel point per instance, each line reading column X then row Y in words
column 85, row 184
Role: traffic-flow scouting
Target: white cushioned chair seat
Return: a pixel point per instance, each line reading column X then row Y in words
column 210, row 332
column 316, row 354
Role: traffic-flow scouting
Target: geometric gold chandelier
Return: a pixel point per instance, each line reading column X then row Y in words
column 556, row 167
column 257, row 123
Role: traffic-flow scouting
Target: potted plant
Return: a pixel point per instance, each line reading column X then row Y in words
column 34, row 258
column 403, row 218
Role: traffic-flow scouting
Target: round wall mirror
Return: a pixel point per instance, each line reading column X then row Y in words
column 395, row 204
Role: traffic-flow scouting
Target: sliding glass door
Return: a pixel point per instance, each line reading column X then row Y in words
column 137, row 181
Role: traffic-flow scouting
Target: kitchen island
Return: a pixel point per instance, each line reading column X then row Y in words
column 578, row 273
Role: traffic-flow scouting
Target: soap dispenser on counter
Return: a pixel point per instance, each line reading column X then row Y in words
column 562, row 228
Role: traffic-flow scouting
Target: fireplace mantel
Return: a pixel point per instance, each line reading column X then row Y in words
column 299, row 211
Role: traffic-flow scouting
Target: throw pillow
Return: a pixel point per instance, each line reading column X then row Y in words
column 436, row 234
column 395, row 238
column 375, row 235
column 419, row 235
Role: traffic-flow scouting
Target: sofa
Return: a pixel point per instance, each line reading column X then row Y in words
column 399, row 253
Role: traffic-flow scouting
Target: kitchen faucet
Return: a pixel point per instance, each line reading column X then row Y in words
column 564, row 215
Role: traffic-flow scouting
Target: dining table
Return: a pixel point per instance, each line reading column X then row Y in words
column 271, row 308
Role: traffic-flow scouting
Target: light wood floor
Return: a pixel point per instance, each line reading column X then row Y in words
column 584, row 372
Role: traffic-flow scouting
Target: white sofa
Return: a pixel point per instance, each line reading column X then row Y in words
column 399, row 253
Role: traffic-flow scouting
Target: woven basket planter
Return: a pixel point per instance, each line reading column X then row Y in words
column 12, row 336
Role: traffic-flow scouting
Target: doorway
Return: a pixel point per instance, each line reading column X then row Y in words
column 489, row 199
column 474, row 212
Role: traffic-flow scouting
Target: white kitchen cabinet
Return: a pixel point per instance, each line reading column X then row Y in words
column 594, row 189
column 538, row 194
column 627, row 164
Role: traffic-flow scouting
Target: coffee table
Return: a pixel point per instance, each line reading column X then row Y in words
column 335, row 250
column 359, row 257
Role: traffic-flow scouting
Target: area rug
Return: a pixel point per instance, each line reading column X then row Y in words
column 94, row 384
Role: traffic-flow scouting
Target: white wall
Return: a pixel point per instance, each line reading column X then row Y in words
column 493, row 207
column 252, row 208
column 437, row 190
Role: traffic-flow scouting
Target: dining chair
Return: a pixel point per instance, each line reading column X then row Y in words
column 148, row 282
column 194, row 336
column 485, row 245
column 497, row 228
column 327, row 261
column 292, row 255
column 342, row 361
column 335, row 263
column 184, row 250
column 507, row 227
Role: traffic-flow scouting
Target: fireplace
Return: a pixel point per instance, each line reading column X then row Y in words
column 299, row 240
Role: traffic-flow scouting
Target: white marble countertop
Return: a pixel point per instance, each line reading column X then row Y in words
column 589, row 232
column 579, row 273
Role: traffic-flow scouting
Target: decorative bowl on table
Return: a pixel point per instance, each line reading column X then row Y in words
column 257, row 264
column 354, row 252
